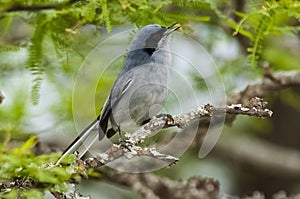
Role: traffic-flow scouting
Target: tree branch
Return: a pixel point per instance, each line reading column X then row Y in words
column 283, row 161
column 151, row 186
column 269, row 84
column 34, row 8
column 156, row 187
column 130, row 151
column 255, row 107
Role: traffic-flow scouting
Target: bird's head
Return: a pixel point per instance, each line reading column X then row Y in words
column 152, row 37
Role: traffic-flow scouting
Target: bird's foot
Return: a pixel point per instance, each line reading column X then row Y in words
column 168, row 118
column 125, row 144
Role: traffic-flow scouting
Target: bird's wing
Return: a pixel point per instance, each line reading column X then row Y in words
column 120, row 87
column 91, row 133
column 103, row 118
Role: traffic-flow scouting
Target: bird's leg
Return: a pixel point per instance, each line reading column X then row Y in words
column 121, row 139
column 168, row 118
column 123, row 142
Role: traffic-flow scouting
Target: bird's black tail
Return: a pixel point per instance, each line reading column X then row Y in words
column 84, row 141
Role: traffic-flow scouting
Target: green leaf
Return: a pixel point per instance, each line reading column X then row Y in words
column 26, row 147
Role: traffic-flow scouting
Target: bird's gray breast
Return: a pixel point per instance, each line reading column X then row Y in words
column 139, row 94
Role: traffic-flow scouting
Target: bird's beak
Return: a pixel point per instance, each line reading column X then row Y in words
column 172, row 28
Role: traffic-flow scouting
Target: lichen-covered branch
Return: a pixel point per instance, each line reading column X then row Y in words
column 254, row 107
column 129, row 149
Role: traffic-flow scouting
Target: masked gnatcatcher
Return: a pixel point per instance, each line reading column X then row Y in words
column 139, row 91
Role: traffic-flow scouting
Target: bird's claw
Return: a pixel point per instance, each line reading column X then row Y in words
column 125, row 144
column 168, row 118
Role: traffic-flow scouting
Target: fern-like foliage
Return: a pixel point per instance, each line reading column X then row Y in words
column 58, row 23
column 263, row 20
column 58, row 26
column 265, row 23
column 35, row 51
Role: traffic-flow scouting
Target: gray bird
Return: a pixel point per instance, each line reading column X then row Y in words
column 139, row 91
